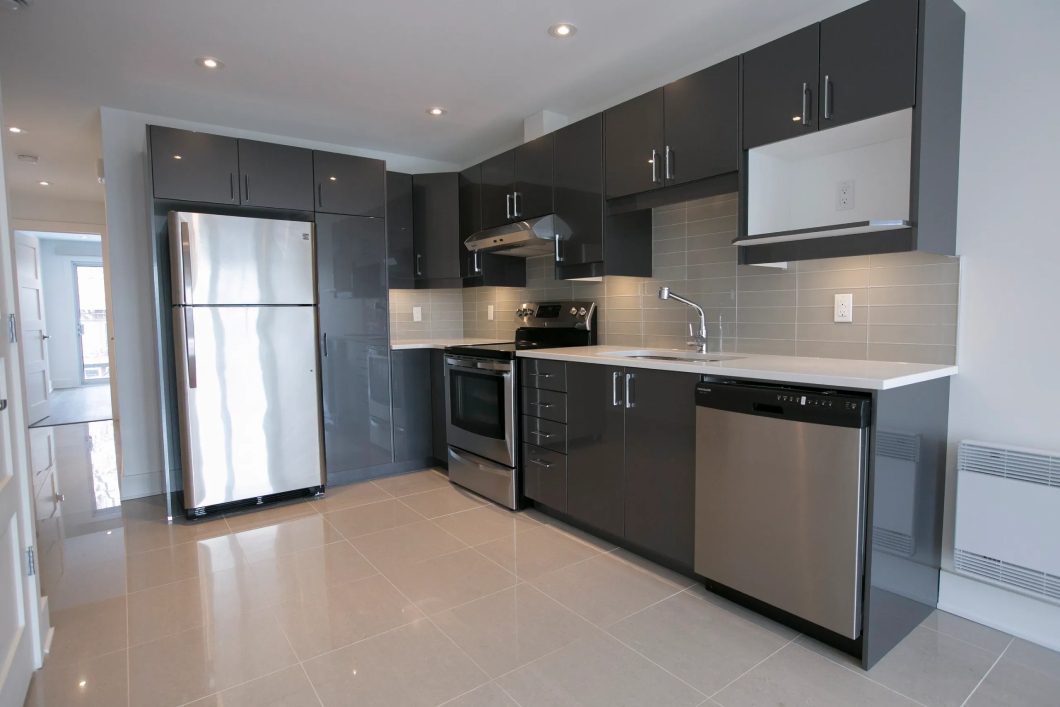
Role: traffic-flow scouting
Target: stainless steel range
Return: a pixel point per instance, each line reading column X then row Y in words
column 482, row 397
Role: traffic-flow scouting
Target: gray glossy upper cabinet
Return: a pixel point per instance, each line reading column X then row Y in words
column 275, row 176
column 192, row 166
column 346, row 184
column 702, row 124
column 497, row 176
column 780, row 88
column 517, row 184
column 579, row 190
column 355, row 345
column 411, row 375
column 482, row 268
column 401, row 254
column 436, row 227
column 634, row 138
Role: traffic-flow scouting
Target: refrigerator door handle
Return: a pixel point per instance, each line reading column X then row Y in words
column 189, row 347
column 185, row 254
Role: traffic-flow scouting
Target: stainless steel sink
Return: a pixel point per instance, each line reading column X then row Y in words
column 678, row 356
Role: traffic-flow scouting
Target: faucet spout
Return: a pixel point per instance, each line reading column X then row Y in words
column 698, row 340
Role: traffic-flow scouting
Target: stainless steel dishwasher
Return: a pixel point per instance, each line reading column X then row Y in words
column 780, row 497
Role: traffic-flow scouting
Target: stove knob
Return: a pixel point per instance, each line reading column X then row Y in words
column 573, row 311
column 582, row 312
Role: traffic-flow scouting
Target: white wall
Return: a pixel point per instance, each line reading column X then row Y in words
column 1009, row 239
column 128, row 249
column 43, row 211
column 60, row 305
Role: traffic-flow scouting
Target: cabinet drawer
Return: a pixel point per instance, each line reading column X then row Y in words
column 542, row 373
column 548, row 404
column 545, row 476
column 545, row 433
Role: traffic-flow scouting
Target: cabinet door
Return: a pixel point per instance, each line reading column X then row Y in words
column 660, row 462
column 439, row 441
column 436, row 225
column 498, row 176
column 349, row 185
column 868, row 61
column 276, row 176
column 703, row 123
column 401, row 254
column 631, row 131
column 533, row 178
column 774, row 98
column 470, row 217
column 595, row 441
column 194, row 166
column 355, row 347
column 579, row 189
column 411, row 378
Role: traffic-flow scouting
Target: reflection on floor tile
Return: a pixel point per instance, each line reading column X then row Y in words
column 404, row 591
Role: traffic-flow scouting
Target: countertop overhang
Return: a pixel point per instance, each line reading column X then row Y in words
column 441, row 343
column 802, row 370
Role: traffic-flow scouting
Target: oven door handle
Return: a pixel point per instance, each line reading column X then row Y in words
column 498, row 367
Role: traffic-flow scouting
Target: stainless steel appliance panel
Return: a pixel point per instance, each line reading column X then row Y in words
column 249, row 401
column 779, row 513
column 219, row 260
column 480, row 407
column 483, row 476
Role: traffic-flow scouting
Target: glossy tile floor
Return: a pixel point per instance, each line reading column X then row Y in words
column 405, row 591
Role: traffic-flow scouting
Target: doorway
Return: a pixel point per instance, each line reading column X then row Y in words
column 91, row 313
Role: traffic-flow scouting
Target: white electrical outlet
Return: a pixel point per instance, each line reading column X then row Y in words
column 844, row 195
column 844, row 308
column 489, row 312
column 417, row 314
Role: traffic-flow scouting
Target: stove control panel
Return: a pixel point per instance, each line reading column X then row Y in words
column 557, row 315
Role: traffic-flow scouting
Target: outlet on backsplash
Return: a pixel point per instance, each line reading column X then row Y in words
column 844, row 195
column 844, row 308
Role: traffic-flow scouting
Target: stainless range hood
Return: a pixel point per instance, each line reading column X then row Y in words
column 521, row 239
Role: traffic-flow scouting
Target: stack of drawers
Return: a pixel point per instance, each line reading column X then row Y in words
column 543, row 422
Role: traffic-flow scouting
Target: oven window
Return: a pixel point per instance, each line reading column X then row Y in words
column 477, row 401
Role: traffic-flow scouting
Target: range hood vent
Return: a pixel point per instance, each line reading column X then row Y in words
column 522, row 239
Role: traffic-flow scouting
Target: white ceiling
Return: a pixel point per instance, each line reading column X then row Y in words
column 351, row 72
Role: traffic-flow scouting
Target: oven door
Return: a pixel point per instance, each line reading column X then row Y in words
column 480, row 407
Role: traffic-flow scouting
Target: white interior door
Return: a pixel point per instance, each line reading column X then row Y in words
column 16, row 644
column 33, row 331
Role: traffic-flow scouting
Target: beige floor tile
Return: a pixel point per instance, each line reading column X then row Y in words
column 702, row 644
column 70, row 585
column 511, row 628
column 743, row 612
column 572, row 532
column 416, row 482
column 443, row 582
column 933, row 668
column 169, row 564
column 983, row 636
column 349, row 496
column 286, row 537
column 411, row 666
column 596, row 672
column 488, row 695
column 334, row 563
column 485, row 523
column 371, row 518
column 245, row 519
column 605, row 589
column 536, row 551
column 344, row 613
column 143, row 534
column 167, row 609
column 102, row 681
column 414, row 542
column 88, row 630
column 287, row 688
column 797, row 677
column 1027, row 675
column 196, row 663
column 443, row 501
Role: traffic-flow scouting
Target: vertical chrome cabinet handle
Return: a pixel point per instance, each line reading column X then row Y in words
column 559, row 256
column 515, row 204
column 615, row 402
column 654, row 166
column 231, row 186
column 508, row 205
column 246, row 187
column 805, row 103
column 630, row 402
column 475, row 264
column 419, row 268
column 669, row 162
column 827, row 97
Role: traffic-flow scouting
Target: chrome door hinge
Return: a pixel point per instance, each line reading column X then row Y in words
column 12, row 329
column 31, row 561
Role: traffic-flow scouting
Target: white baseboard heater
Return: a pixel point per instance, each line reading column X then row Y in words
column 1008, row 518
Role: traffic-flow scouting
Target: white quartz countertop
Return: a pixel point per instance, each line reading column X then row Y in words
column 828, row 372
column 439, row 343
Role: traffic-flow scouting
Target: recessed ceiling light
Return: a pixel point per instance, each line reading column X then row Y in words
column 436, row 111
column 177, row 157
column 333, row 178
column 562, row 30
column 44, row 183
column 14, row 130
column 210, row 62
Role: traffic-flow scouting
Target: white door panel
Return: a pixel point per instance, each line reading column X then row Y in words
column 32, row 328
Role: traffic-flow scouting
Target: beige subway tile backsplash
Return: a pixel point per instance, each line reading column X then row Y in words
column 905, row 304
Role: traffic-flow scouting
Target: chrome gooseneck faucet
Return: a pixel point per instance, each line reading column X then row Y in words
column 699, row 341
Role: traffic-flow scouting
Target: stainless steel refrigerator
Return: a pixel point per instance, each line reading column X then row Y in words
column 245, row 333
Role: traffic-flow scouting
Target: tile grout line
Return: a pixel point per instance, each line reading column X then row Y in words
column 741, row 675
column 988, row 671
column 238, row 684
column 859, row 672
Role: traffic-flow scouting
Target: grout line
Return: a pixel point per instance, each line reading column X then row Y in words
column 239, row 684
column 728, row 684
column 988, row 671
column 857, row 671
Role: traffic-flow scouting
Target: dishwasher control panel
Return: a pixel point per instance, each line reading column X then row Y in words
column 828, row 407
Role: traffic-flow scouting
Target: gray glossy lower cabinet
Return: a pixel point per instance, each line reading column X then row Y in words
column 411, row 376
column 441, row 451
column 595, row 446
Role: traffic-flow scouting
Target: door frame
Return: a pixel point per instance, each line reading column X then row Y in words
column 74, row 265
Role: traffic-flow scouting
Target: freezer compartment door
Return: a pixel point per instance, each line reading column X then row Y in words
column 236, row 260
column 249, row 402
